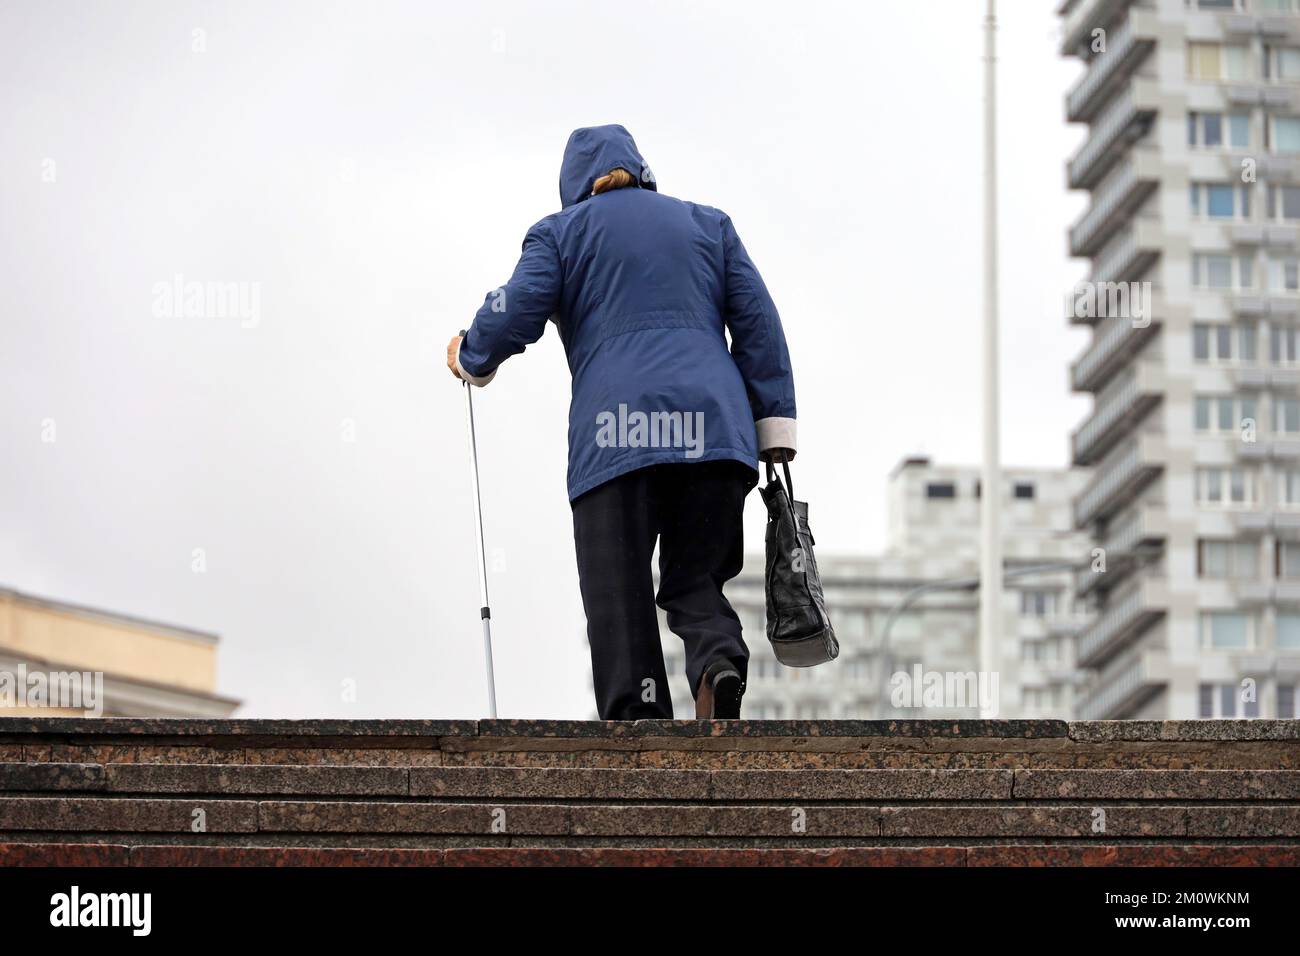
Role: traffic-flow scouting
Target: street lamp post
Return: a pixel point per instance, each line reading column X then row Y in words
column 990, row 580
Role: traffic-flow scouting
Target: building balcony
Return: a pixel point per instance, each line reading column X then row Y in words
column 1129, row 253
column 1114, row 200
column 1281, row 522
column 1278, row 169
column 1126, row 46
column 1269, row 26
column 1141, row 529
column 1124, row 618
column 1082, row 18
column 1119, row 477
column 1120, row 690
column 1124, row 121
column 1254, row 94
column 1249, row 378
column 1261, row 234
column 1261, row 307
column 1266, row 591
column 1116, row 341
column 1118, row 409
column 1268, row 449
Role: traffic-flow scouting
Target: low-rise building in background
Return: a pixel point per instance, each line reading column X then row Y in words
column 60, row 659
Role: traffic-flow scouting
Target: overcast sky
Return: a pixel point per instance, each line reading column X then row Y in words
column 367, row 171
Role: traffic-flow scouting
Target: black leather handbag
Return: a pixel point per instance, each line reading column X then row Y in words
column 797, row 624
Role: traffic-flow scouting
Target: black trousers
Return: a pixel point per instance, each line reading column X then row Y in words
column 694, row 510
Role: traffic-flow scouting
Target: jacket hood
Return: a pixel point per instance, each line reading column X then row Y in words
column 592, row 152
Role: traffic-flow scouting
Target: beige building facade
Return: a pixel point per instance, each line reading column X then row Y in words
column 59, row 659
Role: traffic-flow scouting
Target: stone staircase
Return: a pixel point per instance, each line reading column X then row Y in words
column 384, row 792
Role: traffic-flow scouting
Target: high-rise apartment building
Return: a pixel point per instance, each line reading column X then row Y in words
column 1192, row 162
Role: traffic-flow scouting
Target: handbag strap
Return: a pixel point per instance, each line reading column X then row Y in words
column 789, row 482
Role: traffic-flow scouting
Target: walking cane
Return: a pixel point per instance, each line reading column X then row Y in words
column 485, row 612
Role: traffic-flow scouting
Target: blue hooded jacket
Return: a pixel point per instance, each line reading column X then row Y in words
column 643, row 289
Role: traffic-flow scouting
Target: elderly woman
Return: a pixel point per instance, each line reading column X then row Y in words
column 666, row 424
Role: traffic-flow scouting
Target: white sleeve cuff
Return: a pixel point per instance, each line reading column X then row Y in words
column 775, row 433
column 479, row 380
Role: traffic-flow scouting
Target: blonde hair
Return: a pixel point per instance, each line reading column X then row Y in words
column 616, row 178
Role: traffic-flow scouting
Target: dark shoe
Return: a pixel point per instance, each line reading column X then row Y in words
column 720, row 692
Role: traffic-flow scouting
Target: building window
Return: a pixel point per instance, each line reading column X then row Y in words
column 858, row 667
column 1220, row 701
column 1218, row 61
column 1023, row 490
column 1038, row 603
column 1217, row 4
column 1220, row 200
column 1286, row 702
column 1283, row 134
column 1288, row 631
column 1222, row 415
column 1284, row 345
column 1282, row 64
column 1288, row 488
column 1283, row 274
column 1288, row 560
column 1225, row 487
column 1286, row 416
column 1283, row 203
column 1227, row 631
column 1235, row 560
column 1219, row 271
column 1215, row 130
column 1219, row 343
column 1271, row 6
column 941, row 489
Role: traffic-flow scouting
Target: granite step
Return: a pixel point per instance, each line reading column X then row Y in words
column 644, row 784
column 1026, row 855
column 489, row 819
column 682, row 745
column 479, row 792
